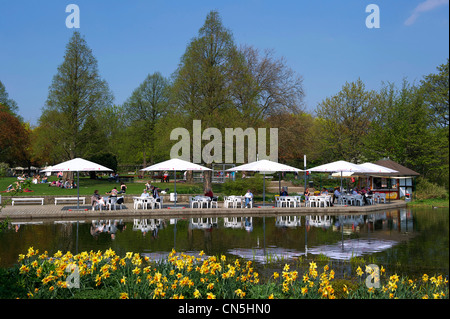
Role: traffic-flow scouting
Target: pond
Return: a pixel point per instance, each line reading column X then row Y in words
column 408, row 240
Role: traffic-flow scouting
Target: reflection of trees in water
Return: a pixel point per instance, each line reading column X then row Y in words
column 65, row 237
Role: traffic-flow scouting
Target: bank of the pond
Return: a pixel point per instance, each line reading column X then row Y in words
column 69, row 211
column 433, row 203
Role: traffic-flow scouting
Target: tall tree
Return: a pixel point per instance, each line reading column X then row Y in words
column 201, row 86
column 76, row 95
column 143, row 109
column 14, row 139
column 9, row 104
column 404, row 130
column 435, row 89
column 344, row 120
column 265, row 86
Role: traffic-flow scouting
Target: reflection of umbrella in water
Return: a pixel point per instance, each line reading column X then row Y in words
column 349, row 248
column 267, row 255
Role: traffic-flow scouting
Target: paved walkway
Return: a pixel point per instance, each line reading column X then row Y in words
column 40, row 212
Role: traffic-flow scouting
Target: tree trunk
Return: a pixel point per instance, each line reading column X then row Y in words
column 189, row 177
column 207, row 181
column 67, row 176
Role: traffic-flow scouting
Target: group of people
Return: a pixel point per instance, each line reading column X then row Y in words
column 336, row 193
column 96, row 199
column 68, row 184
column 154, row 193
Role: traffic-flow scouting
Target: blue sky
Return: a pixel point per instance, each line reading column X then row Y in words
column 326, row 42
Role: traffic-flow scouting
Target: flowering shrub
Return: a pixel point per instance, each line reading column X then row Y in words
column 108, row 275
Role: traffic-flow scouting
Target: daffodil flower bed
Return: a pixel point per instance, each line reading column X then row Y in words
column 107, row 275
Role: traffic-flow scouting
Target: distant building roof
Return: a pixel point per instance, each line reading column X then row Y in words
column 402, row 170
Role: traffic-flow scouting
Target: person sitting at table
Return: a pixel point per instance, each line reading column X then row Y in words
column 96, row 199
column 284, row 192
column 113, row 192
column 145, row 194
column 306, row 193
column 248, row 198
column 364, row 195
column 324, row 191
column 209, row 193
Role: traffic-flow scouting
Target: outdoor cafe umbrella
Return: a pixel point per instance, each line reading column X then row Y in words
column 340, row 166
column 176, row 164
column 265, row 166
column 77, row 165
column 373, row 169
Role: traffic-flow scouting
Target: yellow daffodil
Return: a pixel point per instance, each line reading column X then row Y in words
column 136, row 271
column 359, row 271
column 345, row 289
column 123, row 295
column 304, row 290
column 239, row 293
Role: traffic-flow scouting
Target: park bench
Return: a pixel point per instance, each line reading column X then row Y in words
column 27, row 199
column 69, row 199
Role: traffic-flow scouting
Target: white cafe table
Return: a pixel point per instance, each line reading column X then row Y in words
column 295, row 200
column 203, row 200
column 143, row 202
column 317, row 200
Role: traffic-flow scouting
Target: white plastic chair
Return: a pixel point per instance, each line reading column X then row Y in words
column 312, row 200
column 282, row 201
column 250, row 202
column 193, row 201
column 227, row 200
column 237, row 202
column 322, row 201
column 359, row 199
column 155, row 202
column 214, row 202
column 277, row 201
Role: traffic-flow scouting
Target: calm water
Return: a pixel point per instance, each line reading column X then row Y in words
column 414, row 240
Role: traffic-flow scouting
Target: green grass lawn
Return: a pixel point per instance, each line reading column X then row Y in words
column 87, row 187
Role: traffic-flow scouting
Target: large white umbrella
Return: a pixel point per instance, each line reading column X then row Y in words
column 340, row 166
column 373, row 168
column 264, row 166
column 77, row 165
column 176, row 164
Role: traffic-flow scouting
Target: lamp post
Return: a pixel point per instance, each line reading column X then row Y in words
column 304, row 165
